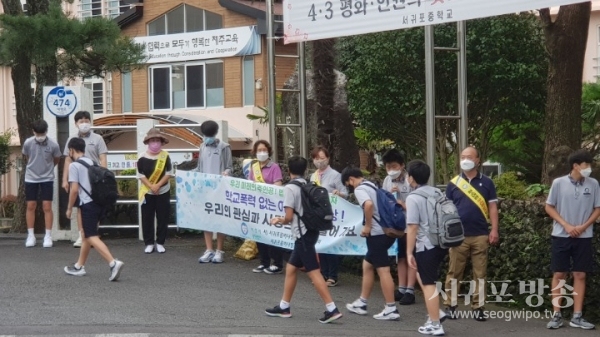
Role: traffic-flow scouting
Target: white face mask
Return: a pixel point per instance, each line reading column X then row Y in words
column 262, row 156
column 467, row 165
column 321, row 164
column 586, row 172
column 84, row 127
column 40, row 139
column 394, row 174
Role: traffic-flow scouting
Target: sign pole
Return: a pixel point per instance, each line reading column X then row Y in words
column 430, row 100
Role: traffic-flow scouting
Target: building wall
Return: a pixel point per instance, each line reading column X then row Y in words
column 591, row 69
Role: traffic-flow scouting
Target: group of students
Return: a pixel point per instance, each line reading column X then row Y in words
column 573, row 203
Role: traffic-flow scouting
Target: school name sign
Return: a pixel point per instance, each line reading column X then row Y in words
column 242, row 208
column 202, row 45
column 307, row 20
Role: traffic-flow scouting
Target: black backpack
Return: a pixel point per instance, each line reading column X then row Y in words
column 104, row 184
column 317, row 212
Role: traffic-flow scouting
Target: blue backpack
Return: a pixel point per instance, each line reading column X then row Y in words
column 391, row 215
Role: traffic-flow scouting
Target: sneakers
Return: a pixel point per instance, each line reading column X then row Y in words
column 259, row 269
column 331, row 282
column 579, row 322
column 330, row 316
column 30, row 242
column 47, row 242
column 430, row 329
column 218, row 257
column 207, row 256
column 556, row 322
column 160, row 248
column 407, row 299
column 443, row 317
column 358, row 307
column 72, row 270
column 479, row 315
column 398, row 295
column 115, row 271
column 451, row 312
column 149, row 249
column 77, row 243
column 389, row 316
column 273, row 270
column 278, row 312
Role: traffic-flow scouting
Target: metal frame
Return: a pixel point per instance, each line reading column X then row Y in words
column 430, row 116
column 272, row 85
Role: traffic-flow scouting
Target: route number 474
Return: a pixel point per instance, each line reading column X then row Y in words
column 62, row 102
column 312, row 13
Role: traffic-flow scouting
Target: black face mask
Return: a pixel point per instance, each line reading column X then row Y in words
column 350, row 189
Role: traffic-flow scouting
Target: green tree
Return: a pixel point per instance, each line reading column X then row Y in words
column 507, row 69
column 566, row 41
column 46, row 44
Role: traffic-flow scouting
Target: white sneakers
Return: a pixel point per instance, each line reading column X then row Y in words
column 48, row 242
column 211, row 256
column 31, row 241
column 159, row 248
column 77, row 243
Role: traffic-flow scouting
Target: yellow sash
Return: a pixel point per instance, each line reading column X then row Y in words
column 160, row 166
column 473, row 194
column 258, row 177
column 316, row 178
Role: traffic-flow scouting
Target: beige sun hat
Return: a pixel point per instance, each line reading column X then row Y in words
column 154, row 133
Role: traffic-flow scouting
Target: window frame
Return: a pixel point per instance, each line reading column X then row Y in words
column 185, row 65
column 164, row 17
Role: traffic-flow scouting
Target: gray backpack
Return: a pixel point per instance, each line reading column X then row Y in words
column 445, row 227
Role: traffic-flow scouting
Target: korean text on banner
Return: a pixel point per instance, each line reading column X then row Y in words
column 243, row 209
column 308, row 20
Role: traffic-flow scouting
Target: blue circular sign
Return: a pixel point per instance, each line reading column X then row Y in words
column 244, row 229
column 61, row 101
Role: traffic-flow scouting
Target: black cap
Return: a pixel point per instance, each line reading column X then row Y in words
column 209, row 128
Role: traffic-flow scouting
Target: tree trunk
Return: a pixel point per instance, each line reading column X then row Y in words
column 566, row 39
column 324, row 82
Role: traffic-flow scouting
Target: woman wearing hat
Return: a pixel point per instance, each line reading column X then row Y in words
column 154, row 171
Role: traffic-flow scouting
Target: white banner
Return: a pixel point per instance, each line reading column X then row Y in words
column 242, row 208
column 118, row 162
column 202, row 45
column 307, row 20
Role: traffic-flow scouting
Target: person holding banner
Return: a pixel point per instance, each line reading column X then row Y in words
column 474, row 195
column 154, row 171
column 304, row 254
column 214, row 158
column 264, row 171
column 331, row 180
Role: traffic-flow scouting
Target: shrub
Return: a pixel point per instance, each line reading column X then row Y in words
column 537, row 190
column 510, row 186
column 7, row 206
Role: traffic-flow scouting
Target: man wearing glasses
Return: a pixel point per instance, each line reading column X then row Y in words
column 574, row 204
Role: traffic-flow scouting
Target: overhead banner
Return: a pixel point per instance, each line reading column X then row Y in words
column 242, row 208
column 202, row 45
column 307, row 20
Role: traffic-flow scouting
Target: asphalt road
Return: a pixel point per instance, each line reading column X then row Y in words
column 171, row 294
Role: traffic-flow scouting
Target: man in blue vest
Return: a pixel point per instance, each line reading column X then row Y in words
column 474, row 195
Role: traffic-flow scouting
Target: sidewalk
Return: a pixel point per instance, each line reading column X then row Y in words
column 171, row 294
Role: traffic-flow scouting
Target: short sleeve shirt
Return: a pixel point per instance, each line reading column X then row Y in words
column 575, row 201
column 79, row 174
column 363, row 194
column 401, row 182
column 331, row 180
column 94, row 147
column 417, row 215
column 271, row 173
column 146, row 165
column 292, row 198
column 473, row 220
column 40, row 159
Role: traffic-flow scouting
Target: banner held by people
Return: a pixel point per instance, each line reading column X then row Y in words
column 242, row 208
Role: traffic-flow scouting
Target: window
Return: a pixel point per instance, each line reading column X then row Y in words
column 90, row 8
column 248, row 80
column 127, row 94
column 97, row 87
column 181, row 86
column 115, row 8
column 185, row 19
